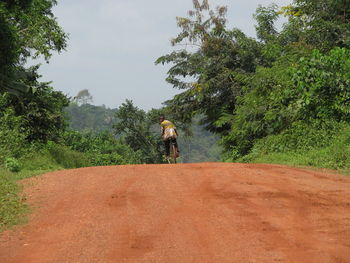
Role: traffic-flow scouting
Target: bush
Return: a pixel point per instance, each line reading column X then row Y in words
column 106, row 159
column 12, row 165
column 102, row 149
column 66, row 157
column 332, row 151
column 301, row 136
column 12, row 136
column 41, row 112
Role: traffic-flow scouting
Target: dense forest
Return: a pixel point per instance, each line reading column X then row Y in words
column 283, row 97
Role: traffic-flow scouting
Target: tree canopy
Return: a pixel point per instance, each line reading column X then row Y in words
column 249, row 88
column 28, row 28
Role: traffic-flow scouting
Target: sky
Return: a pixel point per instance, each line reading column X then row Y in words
column 113, row 45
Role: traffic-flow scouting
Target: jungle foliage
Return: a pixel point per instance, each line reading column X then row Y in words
column 28, row 29
column 90, row 118
column 31, row 112
column 256, row 92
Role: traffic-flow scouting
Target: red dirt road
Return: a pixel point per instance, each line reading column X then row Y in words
column 200, row 213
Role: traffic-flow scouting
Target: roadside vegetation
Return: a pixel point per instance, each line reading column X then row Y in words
column 283, row 97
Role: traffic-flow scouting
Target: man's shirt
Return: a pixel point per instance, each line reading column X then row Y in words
column 168, row 130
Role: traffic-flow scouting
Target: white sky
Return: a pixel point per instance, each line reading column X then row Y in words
column 113, row 45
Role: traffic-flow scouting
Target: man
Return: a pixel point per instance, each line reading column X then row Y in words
column 169, row 134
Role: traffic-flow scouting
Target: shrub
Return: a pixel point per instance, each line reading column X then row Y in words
column 12, row 136
column 102, row 148
column 66, row 157
column 12, row 165
column 331, row 151
column 106, row 159
column 300, row 137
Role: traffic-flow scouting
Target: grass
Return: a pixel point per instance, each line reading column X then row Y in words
column 13, row 207
column 312, row 159
column 12, row 203
column 335, row 156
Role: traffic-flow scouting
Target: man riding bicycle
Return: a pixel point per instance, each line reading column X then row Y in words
column 169, row 135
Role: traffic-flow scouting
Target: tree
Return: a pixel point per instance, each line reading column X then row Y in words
column 28, row 28
column 210, row 73
column 135, row 128
column 321, row 24
column 266, row 17
column 83, row 97
column 87, row 117
column 249, row 89
column 322, row 84
column 41, row 111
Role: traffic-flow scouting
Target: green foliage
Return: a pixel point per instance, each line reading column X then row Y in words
column 12, row 165
column 322, row 82
column 34, row 26
column 41, row 112
column 88, row 117
column 335, row 155
column 135, row 127
column 321, row 24
column 30, row 112
column 313, row 87
column 210, row 74
column 300, row 136
column 288, row 91
column 263, row 110
column 66, row 157
column 101, row 159
column 12, row 206
column 92, row 123
column 266, row 17
column 12, row 135
column 101, row 148
column 28, row 28
column 38, row 162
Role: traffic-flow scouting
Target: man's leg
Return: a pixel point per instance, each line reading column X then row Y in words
column 167, row 147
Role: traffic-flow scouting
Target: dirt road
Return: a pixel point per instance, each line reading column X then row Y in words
column 200, row 213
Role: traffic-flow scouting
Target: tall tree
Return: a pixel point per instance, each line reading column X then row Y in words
column 135, row 128
column 28, row 28
column 41, row 111
column 83, row 97
column 209, row 68
column 248, row 89
column 321, row 24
